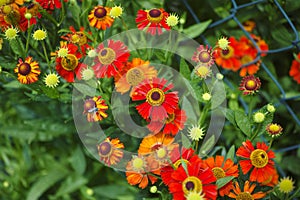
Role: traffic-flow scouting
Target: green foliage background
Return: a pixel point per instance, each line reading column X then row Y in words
column 41, row 155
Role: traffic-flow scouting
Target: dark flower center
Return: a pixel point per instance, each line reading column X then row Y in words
column 24, row 69
column 103, row 52
column 154, row 13
column 89, row 104
column 104, row 149
column 100, row 12
column 190, row 185
column 204, row 56
column 155, row 96
column 156, row 147
column 225, row 52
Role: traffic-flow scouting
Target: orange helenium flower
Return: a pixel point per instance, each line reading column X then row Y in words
column 295, row 69
column 246, row 193
column 153, row 20
column 222, row 169
column 99, row 17
column 229, row 58
column 159, row 101
column 95, row 109
column 132, row 74
column 258, row 159
column 138, row 168
column 28, row 71
column 110, row 151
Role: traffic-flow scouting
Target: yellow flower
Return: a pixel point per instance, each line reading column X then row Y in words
column 223, row 43
column 194, row 195
column 39, row 35
column 172, row 20
column 202, row 71
column 206, row 96
column 62, row 52
column 116, row 11
column 11, row 33
column 51, row 80
column 259, row 117
column 196, row 133
column 286, row 185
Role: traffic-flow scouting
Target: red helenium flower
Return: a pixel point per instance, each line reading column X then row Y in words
column 159, row 101
column 110, row 58
column 153, row 20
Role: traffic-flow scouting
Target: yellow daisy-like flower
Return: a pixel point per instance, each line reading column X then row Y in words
column 51, row 80
column 116, row 12
column 223, row 43
column 286, row 185
column 62, row 52
column 194, row 195
column 87, row 74
column 11, row 33
column 28, row 71
column 196, row 133
column 172, row 20
column 39, row 35
column 259, row 117
column 206, row 96
column 202, row 71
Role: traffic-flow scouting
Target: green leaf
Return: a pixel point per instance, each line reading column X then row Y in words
column 231, row 153
column 13, row 84
column 207, row 145
column 242, row 122
column 229, row 114
column 218, row 95
column 195, row 30
column 78, row 161
column 71, row 184
column 184, row 69
column 85, row 89
column 50, row 92
column 45, row 182
column 223, row 181
column 16, row 47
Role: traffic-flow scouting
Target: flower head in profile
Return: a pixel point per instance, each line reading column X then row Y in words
column 258, row 159
column 132, row 74
column 100, row 18
column 95, row 109
column 28, row 70
column 250, row 84
column 110, row 58
column 152, row 20
column 158, row 100
column 222, row 168
column 110, row 151
column 246, row 193
column 51, row 80
column 50, row 5
column 286, row 185
column 295, row 68
column 204, row 55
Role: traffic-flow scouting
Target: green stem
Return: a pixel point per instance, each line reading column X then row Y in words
column 250, row 108
column 28, row 38
column 256, row 132
column 45, row 53
column 271, row 142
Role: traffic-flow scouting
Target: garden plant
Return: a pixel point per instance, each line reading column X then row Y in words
column 149, row 99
